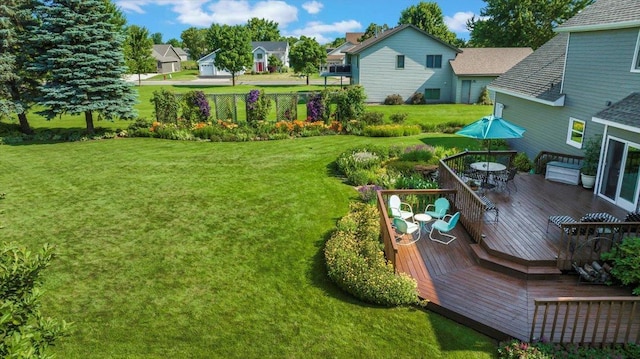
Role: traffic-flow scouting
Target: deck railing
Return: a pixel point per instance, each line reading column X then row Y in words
column 594, row 321
column 584, row 242
column 418, row 199
column 336, row 69
column 544, row 157
column 471, row 207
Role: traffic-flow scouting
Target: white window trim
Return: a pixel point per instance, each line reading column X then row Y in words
column 571, row 142
column 497, row 111
column 636, row 56
column 404, row 58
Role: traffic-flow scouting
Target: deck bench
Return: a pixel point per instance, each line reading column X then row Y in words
column 563, row 172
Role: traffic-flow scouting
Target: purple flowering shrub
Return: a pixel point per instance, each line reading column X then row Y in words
column 258, row 106
column 195, row 107
column 318, row 107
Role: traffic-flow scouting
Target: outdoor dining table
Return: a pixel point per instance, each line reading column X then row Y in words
column 488, row 166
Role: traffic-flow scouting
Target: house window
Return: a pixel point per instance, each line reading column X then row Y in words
column 576, row 132
column 259, row 56
column 432, row 94
column 400, row 62
column 636, row 57
column 434, row 61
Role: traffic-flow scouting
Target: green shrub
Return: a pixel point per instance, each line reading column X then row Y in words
column 516, row 349
column 417, row 153
column 349, row 103
column 414, row 181
column 398, row 117
column 195, row 107
column 394, row 99
column 391, row 130
column 485, row 98
column 522, row 162
column 544, row 349
column 404, row 167
column 626, row 262
column 447, row 127
column 372, row 118
column 356, row 263
column 361, row 177
column 417, row 98
column 165, row 106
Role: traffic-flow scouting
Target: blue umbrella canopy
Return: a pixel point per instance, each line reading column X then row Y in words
column 491, row 127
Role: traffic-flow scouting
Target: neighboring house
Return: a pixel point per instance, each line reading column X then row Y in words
column 407, row 60
column 475, row 68
column 263, row 49
column 167, row 58
column 184, row 56
column 583, row 82
column 207, row 67
column 403, row 60
column 338, row 56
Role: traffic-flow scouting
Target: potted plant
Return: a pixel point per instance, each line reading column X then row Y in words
column 590, row 161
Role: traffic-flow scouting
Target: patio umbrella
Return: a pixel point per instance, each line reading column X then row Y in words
column 491, row 127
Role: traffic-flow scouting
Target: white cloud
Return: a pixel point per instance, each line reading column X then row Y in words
column 458, row 23
column 312, row 7
column 229, row 12
column 320, row 31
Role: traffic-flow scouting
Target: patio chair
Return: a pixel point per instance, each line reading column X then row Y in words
column 505, row 177
column 404, row 228
column 400, row 209
column 438, row 209
column 490, row 206
column 444, row 227
column 559, row 220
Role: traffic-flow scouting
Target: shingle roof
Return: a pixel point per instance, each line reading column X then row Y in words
column 353, row 37
column 163, row 53
column 385, row 34
column 270, row 46
column 624, row 112
column 490, row 61
column 604, row 14
column 539, row 75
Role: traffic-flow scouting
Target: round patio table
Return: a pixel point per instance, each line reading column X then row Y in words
column 488, row 166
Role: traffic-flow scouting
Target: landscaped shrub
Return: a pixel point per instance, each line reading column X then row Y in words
column 522, row 162
column 418, row 153
column 447, row 127
column 165, row 106
column 372, row 118
column 394, row 99
column 391, row 130
column 258, row 106
column 543, row 350
column 485, row 98
column 417, row 98
column 356, row 263
column 414, row 181
column 398, row 117
column 626, row 262
column 350, row 103
column 516, row 349
column 195, row 107
column 318, row 108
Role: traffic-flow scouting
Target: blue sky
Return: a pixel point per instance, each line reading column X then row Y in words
column 323, row 19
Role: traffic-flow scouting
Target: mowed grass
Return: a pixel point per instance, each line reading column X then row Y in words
column 417, row 114
column 171, row 249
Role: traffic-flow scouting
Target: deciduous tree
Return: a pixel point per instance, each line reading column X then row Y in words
column 83, row 59
column 174, row 42
column 234, row 45
column 18, row 86
column 520, row 23
column 263, row 30
column 138, row 47
column 428, row 17
column 157, row 38
column 195, row 40
column 306, row 56
column 372, row 30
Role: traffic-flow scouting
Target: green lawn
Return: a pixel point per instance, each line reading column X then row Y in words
column 171, row 249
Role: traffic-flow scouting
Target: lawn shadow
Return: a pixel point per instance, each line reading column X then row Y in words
column 12, row 136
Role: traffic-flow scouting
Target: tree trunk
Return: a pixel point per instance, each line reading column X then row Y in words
column 307, row 80
column 24, row 124
column 139, row 80
column 233, row 79
column 88, row 117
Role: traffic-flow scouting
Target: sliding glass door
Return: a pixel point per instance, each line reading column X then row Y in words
column 619, row 180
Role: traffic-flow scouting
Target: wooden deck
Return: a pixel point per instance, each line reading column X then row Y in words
column 492, row 301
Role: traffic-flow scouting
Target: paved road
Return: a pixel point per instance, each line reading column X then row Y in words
column 227, row 81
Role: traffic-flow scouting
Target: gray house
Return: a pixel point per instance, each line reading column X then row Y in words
column 583, row 82
column 475, row 68
column 263, row 49
column 167, row 59
column 403, row 60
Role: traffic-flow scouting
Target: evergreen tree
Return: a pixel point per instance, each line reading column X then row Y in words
column 137, row 51
column 306, row 56
column 234, row 53
column 18, row 87
column 83, row 59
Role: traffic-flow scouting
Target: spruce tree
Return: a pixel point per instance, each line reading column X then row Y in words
column 82, row 56
column 18, row 87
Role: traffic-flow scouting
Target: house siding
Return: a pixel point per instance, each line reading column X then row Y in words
column 477, row 84
column 378, row 74
column 598, row 70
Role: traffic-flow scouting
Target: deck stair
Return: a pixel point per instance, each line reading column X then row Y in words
column 513, row 266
